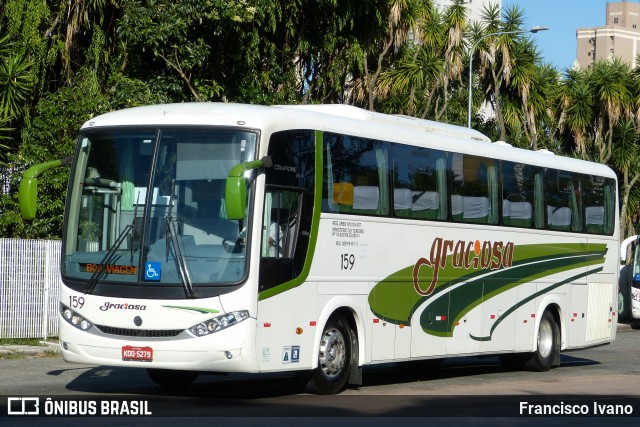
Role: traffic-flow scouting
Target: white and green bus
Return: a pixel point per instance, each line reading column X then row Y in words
column 213, row 237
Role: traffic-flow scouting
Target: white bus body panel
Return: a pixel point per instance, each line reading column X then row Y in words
column 208, row 353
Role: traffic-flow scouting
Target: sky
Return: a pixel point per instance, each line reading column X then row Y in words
column 563, row 17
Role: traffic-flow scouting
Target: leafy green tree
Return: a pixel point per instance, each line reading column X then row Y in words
column 455, row 20
column 180, row 46
column 610, row 82
column 15, row 85
column 412, row 83
column 626, row 159
column 576, row 105
column 4, row 149
column 383, row 33
column 16, row 79
column 526, row 98
column 50, row 135
column 496, row 57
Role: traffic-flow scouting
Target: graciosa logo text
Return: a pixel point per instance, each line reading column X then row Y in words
column 464, row 254
column 126, row 306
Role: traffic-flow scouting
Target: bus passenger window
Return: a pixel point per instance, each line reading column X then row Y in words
column 419, row 183
column 355, row 175
column 518, row 183
column 563, row 201
column 474, row 196
column 598, row 206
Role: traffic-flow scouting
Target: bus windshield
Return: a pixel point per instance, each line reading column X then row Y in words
column 146, row 208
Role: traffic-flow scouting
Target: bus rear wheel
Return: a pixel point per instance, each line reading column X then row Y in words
column 167, row 378
column 548, row 345
column 334, row 358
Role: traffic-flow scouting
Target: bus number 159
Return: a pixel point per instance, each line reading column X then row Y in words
column 348, row 260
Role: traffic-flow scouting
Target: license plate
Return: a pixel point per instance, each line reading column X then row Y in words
column 137, row 354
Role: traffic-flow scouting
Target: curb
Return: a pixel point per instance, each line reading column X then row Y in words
column 46, row 348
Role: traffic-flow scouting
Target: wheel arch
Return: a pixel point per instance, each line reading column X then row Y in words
column 554, row 306
column 345, row 307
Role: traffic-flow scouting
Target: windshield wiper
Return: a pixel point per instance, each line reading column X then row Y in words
column 111, row 254
column 173, row 241
column 107, row 259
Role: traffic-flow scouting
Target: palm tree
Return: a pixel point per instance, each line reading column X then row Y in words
column 401, row 18
column 16, row 83
column 626, row 158
column 611, row 82
column 525, row 82
column 455, row 20
column 497, row 51
column 544, row 99
column 417, row 76
column 576, row 106
column 4, row 149
column 16, row 79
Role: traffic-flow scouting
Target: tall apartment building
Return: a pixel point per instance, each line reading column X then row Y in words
column 474, row 7
column 620, row 37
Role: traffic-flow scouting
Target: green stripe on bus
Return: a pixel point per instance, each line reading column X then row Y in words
column 395, row 299
column 512, row 309
column 198, row 309
column 455, row 305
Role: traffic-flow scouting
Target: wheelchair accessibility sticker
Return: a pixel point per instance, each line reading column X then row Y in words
column 152, row 271
column 291, row 354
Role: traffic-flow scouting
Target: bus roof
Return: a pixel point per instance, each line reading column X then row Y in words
column 400, row 121
column 338, row 118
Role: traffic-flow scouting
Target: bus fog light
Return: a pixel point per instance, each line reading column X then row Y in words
column 74, row 318
column 228, row 354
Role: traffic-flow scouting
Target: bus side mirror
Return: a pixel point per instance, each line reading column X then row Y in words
column 27, row 197
column 235, row 195
column 28, row 190
column 235, row 191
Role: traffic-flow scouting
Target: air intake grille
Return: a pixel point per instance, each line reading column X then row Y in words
column 123, row 332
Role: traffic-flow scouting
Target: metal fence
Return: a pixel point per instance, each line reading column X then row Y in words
column 29, row 288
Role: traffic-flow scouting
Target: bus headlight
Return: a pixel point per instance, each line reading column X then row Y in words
column 219, row 323
column 74, row 318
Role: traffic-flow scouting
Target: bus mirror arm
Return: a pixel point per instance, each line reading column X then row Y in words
column 235, row 193
column 28, row 190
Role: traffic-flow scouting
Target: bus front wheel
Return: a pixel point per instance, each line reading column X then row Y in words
column 548, row 345
column 167, row 378
column 334, row 358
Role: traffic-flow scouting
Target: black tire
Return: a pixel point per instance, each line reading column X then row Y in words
column 334, row 358
column 548, row 345
column 622, row 313
column 167, row 378
column 624, row 293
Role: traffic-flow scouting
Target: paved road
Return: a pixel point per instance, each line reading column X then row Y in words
column 390, row 395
